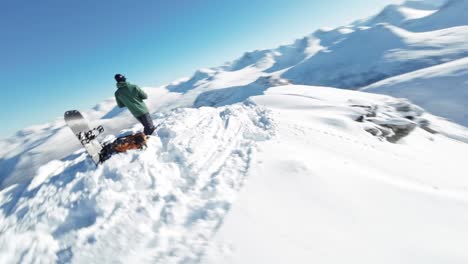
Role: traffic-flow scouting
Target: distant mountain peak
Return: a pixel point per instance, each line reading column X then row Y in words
column 425, row 4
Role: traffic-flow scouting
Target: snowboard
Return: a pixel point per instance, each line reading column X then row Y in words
column 87, row 136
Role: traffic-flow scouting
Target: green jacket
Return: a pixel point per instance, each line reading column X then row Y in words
column 131, row 96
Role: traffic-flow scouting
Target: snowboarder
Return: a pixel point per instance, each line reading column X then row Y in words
column 131, row 96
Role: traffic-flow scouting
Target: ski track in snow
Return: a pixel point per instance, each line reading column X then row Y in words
column 166, row 201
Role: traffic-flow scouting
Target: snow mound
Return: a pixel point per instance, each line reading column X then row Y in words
column 30, row 148
column 165, row 202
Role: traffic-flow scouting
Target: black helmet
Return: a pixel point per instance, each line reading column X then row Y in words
column 119, row 77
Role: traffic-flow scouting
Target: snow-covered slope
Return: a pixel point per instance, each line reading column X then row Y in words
column 424, row 4
column 161, row 205
column 314, row 177
column 371, row 54
column 442, row 89
column 22, row 154
column 452, row 14
column 324, row 192
column 398, row 15
column 330, row 175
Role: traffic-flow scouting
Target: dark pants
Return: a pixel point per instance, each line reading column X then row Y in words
column 147, row 123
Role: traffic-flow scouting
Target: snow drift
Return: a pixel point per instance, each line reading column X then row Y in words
column 158, row 205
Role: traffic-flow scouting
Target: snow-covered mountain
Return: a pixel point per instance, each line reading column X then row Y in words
column 424, row 4
column 452, row 14
column 398, row 15
column 401, row 39
column 442, row 88
column 260, row 160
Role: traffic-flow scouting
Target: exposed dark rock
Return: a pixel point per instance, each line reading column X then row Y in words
column 393, row 121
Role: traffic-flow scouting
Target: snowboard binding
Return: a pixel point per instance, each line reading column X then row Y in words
column 88, row 136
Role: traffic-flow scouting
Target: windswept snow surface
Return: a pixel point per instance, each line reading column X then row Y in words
column 325, row 192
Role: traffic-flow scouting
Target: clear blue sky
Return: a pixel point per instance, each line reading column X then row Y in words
column 59, row 55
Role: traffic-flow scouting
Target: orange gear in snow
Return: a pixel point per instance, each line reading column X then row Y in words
column 137, row 141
